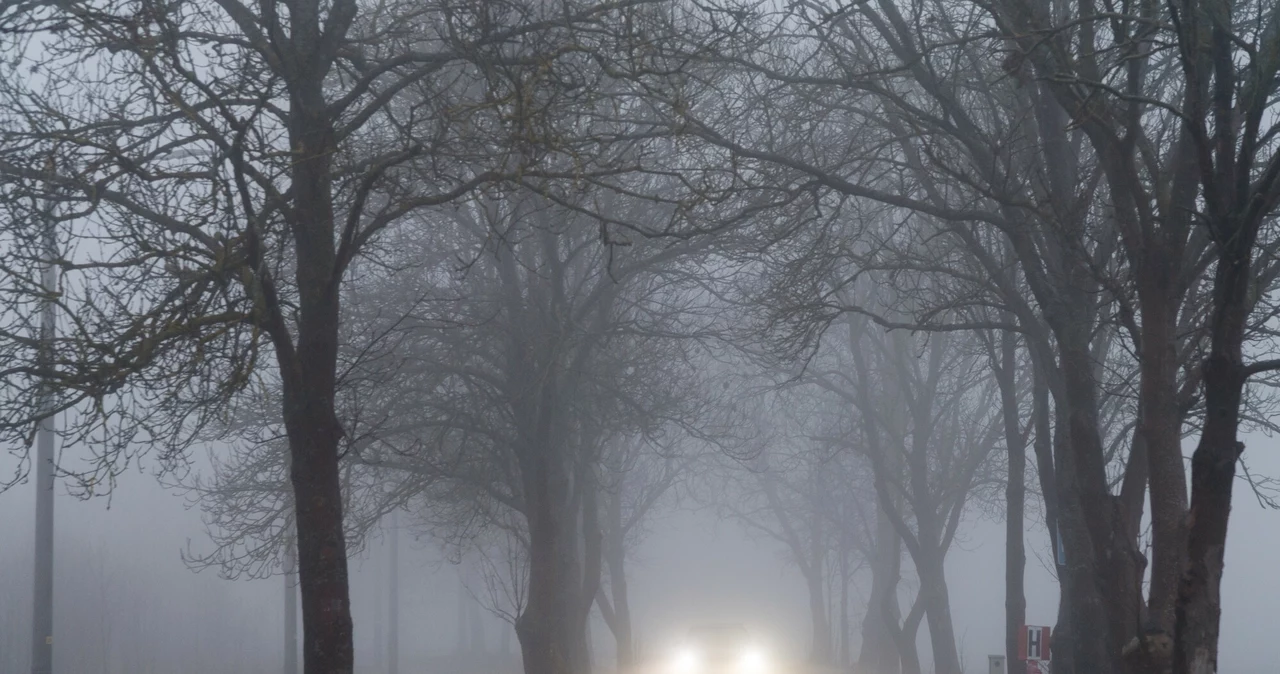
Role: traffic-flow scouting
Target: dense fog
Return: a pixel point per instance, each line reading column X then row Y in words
column 639, row 336
column 126, row 602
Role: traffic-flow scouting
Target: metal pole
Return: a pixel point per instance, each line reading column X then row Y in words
column 379, row 636
column 42, row 613
column 291, row 609
column 393, row 599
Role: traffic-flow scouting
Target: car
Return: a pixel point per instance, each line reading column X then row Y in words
column 720, row 648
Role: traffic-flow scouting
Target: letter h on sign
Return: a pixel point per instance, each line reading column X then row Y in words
column 1034, row 644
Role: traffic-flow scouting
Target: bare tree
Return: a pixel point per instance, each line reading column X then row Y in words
column 926, row 443
column 811, row 500
column 636, row 481
column 228, row 163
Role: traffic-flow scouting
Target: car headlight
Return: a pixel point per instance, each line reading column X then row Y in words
column 687, row 661
column 753, row 661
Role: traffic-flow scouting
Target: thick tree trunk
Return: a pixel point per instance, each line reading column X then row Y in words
column 820, row 649
column 815, row 577
column 546, row 626
column 1102, row 575
column 1043, row 444
column 564, row 569
column 1213, row 469
column 592, row 563
column 1161, row 430
column 322, row 553
column 942, row 633
column 616, row 559
column 1080, row 510
column 1098, row 563
column 905, row 638
column 309, row 375
column 290, row 609
column 879, row 654
column 1212, row 477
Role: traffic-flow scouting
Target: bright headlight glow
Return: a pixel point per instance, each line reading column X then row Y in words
column 753, row 661
column 687, row 661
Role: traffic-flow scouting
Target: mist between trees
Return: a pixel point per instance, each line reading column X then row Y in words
column 528, row 272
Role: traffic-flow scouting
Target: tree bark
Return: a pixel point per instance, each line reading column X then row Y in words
column 1161, row 430
column 904, row 637
column 815, row 577
column 620, row 604
column 1213, row 469
column 564, row 566
column 942, row 633
column 322, row 554
column 547, row 624
column 1015, row 599
column 879, row 654
column 309, row 375
column 1082, row 578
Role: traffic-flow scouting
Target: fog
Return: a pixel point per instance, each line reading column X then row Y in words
column 137, row 607
column 639, row 336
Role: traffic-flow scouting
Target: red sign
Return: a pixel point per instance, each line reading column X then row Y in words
column 1033, row 644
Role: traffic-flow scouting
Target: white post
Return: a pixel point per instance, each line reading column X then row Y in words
column 42, row 613
column 393, row 599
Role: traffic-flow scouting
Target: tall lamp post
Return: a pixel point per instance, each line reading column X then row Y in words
column 393, row 598
column 42, row 610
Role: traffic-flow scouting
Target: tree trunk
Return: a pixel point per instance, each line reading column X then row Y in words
column 1101, row 574
column 1043, row 444
column 309, row 374
column 322, row 553
column 942, row 633
column 905, row 637
column 815, row 576
column 1098, row 563
column 562, row 568
column 314, row 432
column 1080, row 577
column 615, row 558
column 545, row 626
column 592, row 563
column 1213, row 469
column 880, row 653
column 1015, row 599
column 820, row 651
column 290, row 609
column 1161, row 429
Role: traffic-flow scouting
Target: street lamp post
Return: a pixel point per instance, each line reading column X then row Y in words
column 393, row 598
column 42, row 610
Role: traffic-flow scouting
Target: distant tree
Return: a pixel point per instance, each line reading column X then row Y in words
column 525, row 367
column 443, row 339
column 636, row 481
column 809, row 500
